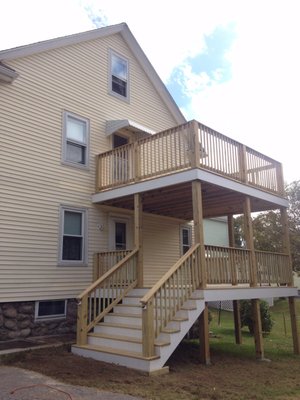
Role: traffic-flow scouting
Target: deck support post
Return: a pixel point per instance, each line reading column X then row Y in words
column 249, row 241
column 138, row 238
column 258, row 338
column 198, row 229
column 295, row 331
column 230, row 222
column 237, row 322
column 286, row 241
column 204, row 337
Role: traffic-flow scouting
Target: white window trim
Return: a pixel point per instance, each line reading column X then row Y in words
column 37, row 317
column 73, row 263
column 189, row 229
column 110, row 91
column 64, row 160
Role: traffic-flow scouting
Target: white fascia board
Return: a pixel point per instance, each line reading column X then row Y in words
column 113, row 126
column 187, row 176
column 240, row 187
column 236, row 293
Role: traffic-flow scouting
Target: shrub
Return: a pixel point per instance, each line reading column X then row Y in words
column 247, row 318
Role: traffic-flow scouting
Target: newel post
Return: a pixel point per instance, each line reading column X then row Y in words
column 82, row 321
column 148, row 329
column 243, row 163
column 196, row 144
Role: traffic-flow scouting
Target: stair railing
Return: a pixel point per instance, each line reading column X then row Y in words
column 102, row 295
column 166, row 297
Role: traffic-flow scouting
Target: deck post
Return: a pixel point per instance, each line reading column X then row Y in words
column 249, row 241
column 237, row 322
column 242, row 163
column 286, row 240
column 230, row 221
column 258, row 338
column 198, row 230
column 196, row 152
column 204, row 337
column 138, row 238
column 295, row 331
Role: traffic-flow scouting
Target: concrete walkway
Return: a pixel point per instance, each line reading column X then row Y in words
column 20, row 384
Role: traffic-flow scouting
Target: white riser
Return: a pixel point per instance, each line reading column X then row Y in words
column 116, row 344
column 112, row 330
column 117, row 319
column 129, row 362
column 132, row 300
column 138, row 292
column 128, row 310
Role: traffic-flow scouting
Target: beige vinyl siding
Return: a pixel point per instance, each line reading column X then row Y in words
column 161, row 238
column 34, row 182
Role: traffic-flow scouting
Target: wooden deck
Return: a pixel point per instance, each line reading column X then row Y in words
column 188, row 146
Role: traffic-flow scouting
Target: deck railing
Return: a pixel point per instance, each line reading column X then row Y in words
column 167, row 296
column 273, row 268
column 191, row 145
column 101, row 296
column 227, row 265
column 105, row 260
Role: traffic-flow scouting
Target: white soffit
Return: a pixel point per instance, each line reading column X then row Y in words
column 113, row 126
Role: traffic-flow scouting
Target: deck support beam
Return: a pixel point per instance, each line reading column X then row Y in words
column 198, row 229
column 204, row 337
column 237, row 322
column 294, row 326
column 138, row 237
column 249, row 240
column 258, row 338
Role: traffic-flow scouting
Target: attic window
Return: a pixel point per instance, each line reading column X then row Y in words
column 118, row 76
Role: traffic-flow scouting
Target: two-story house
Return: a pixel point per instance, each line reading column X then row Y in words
column 112, row 201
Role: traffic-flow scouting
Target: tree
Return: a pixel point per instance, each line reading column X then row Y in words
column 267, row 229
column 247, row 317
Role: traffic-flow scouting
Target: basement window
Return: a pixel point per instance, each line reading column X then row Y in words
column 50, row 309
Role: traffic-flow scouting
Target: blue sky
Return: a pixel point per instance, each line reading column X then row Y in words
column 233, row 65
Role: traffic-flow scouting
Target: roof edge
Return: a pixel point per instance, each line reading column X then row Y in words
column 38, row 47
column 7, row 74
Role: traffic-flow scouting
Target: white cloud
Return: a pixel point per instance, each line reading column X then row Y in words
column 258, row 106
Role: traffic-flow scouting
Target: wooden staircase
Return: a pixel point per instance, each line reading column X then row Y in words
column 118, row 338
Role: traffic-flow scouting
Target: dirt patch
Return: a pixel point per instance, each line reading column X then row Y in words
column 229, row 377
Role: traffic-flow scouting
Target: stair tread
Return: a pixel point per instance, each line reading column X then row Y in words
column 170, row 330
column 127, row 339
column 116, row 314
column 111, row 350
column 118, row 325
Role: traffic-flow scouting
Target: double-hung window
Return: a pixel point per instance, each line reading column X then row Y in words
column 119, row 76
column 73, row 241
column 75, row 140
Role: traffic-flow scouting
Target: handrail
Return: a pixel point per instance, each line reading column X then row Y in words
column 105, row 260
column 186, row 146
column 167, row 296
column 102, row 295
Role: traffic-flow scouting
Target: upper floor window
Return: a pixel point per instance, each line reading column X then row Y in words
column 73, row 240
column 75, row 140
column 119, row 75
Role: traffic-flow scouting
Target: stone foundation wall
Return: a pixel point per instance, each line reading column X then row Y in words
column 17, row 321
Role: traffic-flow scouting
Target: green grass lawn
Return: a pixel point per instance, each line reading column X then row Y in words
column 277, row 344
